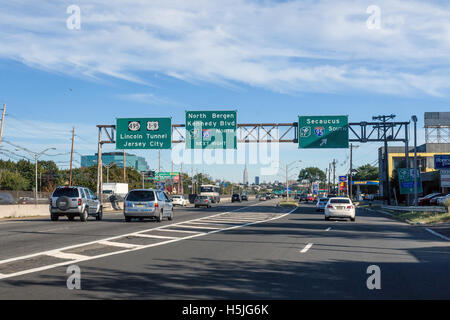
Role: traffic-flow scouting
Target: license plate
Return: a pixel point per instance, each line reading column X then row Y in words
column 140, row 205
column 340, row 208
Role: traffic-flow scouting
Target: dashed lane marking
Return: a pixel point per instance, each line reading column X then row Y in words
column 306, row 248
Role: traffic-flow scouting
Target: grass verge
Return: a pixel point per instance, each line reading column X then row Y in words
column 288, row 204
column 422, row 217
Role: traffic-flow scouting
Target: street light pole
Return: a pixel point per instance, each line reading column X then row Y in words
column 414, row 119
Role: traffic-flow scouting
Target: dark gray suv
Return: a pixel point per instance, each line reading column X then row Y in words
column 75, row 202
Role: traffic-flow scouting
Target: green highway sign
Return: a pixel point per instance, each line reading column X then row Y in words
column 144, row 133
column 211, row 129
column 323, row 132
column 164, row 175
column 406, row 181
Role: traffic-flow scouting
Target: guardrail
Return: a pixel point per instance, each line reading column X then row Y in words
column 416, row 209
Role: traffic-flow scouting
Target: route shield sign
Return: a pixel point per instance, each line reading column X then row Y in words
column 144, row 133
column 323, row 132
column 406, row 181
column 211, row 129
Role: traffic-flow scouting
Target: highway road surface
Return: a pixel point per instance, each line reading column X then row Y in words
column 249, row 250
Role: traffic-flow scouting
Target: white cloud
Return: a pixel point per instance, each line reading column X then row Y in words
column 289, row 46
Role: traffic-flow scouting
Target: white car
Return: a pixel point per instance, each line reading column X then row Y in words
column 178, row 200
column 340, row 207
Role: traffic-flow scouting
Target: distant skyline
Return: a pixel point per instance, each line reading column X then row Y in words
column 269, row 60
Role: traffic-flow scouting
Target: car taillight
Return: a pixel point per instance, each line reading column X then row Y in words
column 329, row 206
column 156, row 205
column 205, row 200
column 349, row 207
column 79, row 202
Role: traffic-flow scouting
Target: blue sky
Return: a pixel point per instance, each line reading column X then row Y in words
column 271, row 61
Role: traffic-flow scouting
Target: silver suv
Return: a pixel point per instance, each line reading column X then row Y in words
column 147, row 203
column 75, row 202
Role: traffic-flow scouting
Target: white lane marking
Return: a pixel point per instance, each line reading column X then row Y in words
column 207, row 222
column 234, row 219
column 118, row 244
column 152, row 236
column 68, row 256
column 328, row 229
column 126, row 250
column 197, row 227
column 182, row 231
column 437, row 234
column 306, row 248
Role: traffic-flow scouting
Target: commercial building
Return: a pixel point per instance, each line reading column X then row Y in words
column 131, row 160
column 257, row 180
column 245, row 180
column 425, row 161
column 437, row 142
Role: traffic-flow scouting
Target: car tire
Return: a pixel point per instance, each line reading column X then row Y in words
column 71, row 217
column 99, row 216
column 127, row 219
column 160, row 217
column 353, row 219
column 170, row 218
column 84, row 215
column 54, row 217
column 196, row 206
column 327, row 218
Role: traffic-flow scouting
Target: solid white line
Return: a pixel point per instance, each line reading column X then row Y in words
column 127, row 247
column 197, row 227
column 438, row 234
column 214, row 222
column 152, row 236
column 68, row 256
column 118, row 244
column 306, row 248
column 182, row 231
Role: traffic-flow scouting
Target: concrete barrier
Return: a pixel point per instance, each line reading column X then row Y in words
column 23, row 210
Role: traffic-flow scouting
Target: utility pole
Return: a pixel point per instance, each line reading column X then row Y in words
column 334, row 173
column 71, row 156
column 159, row 166
column 3, row 123
column 124, row 168
column 192, row 180
column 329, row 178
column 351, row 170
column 414, row 119
column 180, row 180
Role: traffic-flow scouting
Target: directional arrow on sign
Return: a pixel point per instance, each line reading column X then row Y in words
column 324, row 141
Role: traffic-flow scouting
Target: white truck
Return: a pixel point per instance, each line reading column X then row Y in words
column 115, row 188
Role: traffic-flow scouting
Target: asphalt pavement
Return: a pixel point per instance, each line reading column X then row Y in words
column 250, row 250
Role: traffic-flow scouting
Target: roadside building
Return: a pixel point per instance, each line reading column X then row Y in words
column 131, row 160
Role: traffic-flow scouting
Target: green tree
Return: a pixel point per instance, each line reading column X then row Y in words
column 10, row 180
column 312, row 174
column 366, row 172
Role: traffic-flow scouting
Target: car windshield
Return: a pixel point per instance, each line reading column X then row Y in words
column 339, row 201
column 66, row 192
column 141, row 195
column 323, row 200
